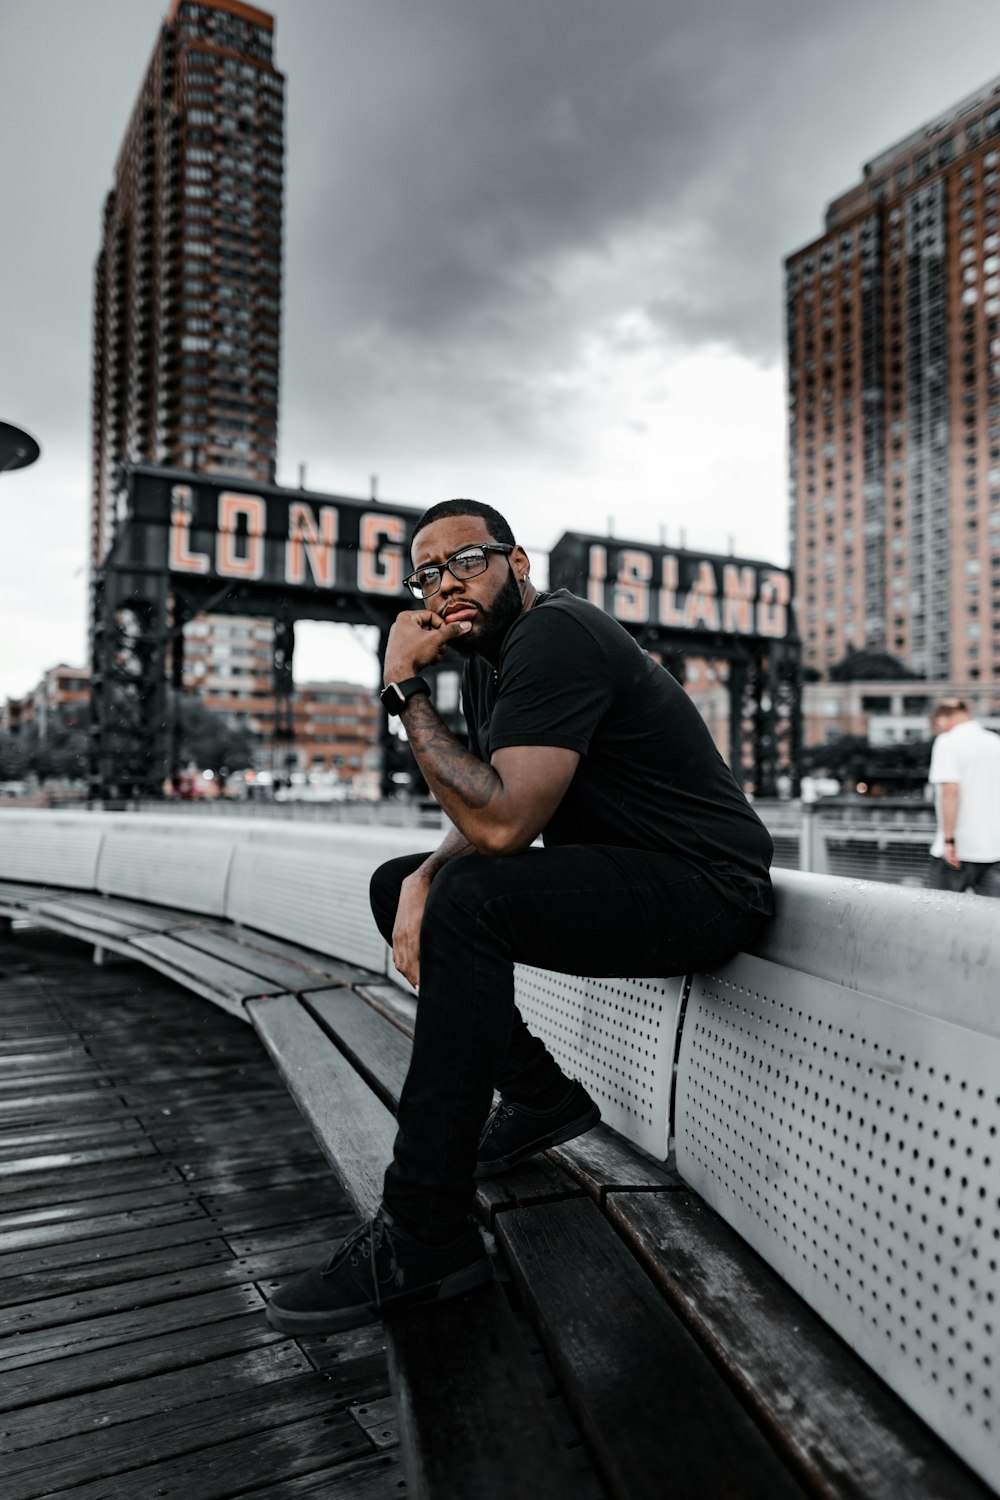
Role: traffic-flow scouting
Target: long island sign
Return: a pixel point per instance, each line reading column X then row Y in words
column 305, row 548
column 665, row 589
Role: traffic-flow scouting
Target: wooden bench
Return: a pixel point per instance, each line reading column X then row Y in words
column 685, row 1351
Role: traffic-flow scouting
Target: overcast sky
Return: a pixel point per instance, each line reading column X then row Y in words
column 532, row 254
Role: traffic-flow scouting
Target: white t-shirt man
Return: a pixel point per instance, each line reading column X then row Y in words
column 969, row 755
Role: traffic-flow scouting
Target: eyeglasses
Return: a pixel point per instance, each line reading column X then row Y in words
column 468, row 563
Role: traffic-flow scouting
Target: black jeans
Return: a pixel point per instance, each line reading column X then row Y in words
column 983, row 879
column 579, row 909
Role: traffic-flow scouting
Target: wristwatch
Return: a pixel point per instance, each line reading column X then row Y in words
column 398, row 694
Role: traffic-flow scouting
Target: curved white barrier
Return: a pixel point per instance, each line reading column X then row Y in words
column 930, row 951
column 187, row 873
column 61, row 848
column 318, row 899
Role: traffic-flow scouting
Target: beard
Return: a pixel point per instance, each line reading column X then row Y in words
column 486, row 636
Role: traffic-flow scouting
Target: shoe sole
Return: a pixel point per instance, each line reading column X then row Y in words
column 465, row 1280
column 543, row 1143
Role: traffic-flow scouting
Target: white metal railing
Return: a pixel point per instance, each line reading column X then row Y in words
column 887, row 842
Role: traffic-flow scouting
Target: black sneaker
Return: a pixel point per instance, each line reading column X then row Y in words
column 379, row 1266
column 514, row 1131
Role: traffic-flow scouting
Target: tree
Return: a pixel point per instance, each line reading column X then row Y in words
column 13, row 758
column 851, row 759
column 60, row 753
column 210, row 740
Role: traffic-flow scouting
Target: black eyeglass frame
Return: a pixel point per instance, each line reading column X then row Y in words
column 482, row 547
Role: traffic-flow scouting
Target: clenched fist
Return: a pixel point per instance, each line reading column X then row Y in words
column 418, row 638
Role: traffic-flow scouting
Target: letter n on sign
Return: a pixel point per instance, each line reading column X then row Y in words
column 312, row 543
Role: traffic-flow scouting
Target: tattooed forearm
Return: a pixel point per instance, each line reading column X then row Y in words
column 462, row 783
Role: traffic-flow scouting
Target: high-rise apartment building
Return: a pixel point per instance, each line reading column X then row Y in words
column 187, row 286
column 893, row 335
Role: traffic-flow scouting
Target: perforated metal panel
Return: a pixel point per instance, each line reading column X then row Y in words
column 615, row 1035
column 318, row 900
column 150, row 864
column 854, row 1144
column 49, row 848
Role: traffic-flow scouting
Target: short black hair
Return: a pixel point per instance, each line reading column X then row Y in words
column 497, row 527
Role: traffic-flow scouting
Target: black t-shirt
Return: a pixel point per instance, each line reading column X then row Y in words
column 650, row 776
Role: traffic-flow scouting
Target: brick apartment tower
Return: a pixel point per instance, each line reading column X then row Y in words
column 187, row 296
column 893, row 331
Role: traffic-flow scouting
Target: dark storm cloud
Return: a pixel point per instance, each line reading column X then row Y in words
column 468, row 182
column 485, row 143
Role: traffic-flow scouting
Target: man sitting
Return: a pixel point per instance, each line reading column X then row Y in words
column 653, row 864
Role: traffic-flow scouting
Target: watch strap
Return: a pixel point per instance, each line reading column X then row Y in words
column 395, row 695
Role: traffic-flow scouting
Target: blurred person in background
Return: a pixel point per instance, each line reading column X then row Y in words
column 965, row 775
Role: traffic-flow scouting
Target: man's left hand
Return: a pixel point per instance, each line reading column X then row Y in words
column 418, row 638
column 951, row 858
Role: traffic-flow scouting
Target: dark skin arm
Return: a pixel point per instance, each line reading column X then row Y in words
column 495, row 809
column 501, row 807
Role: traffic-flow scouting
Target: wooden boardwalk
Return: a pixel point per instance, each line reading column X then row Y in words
column 155, row 1182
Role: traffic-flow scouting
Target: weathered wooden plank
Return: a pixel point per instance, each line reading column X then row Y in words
column 264, row 1241
column 78, row 928
column 462, row 1368
column 48, row 1212
column 135, row 913
column 15, row 1061
column 63, row 1185
column 281, row 974
column 51, row 1257
column 90, row 1275
column 601, row 1161
column 30, row 1237
column 244, row 1213
column 53, row 1046
column 259, row 1110
column 376, row 1047
column 118, row 1450
column 654, row 1413
column 48, row 1085
column 46, row 1162
column 376, row 1478
column 307, row 1169
column 237, row 1466
column 134, row 1361
column 38, row 1135
column 378, row 1420
column 200, row 1168
column 334, row 970
column 394, row 1003
column 223, row 983
column 535, row 1181
column 194, row 1083
column 113, row 1330
column 330, row 1353
column 840, row 1426
column 100, row 1410
column 272, row 1267
column 90, row 922
column 353, row 1127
